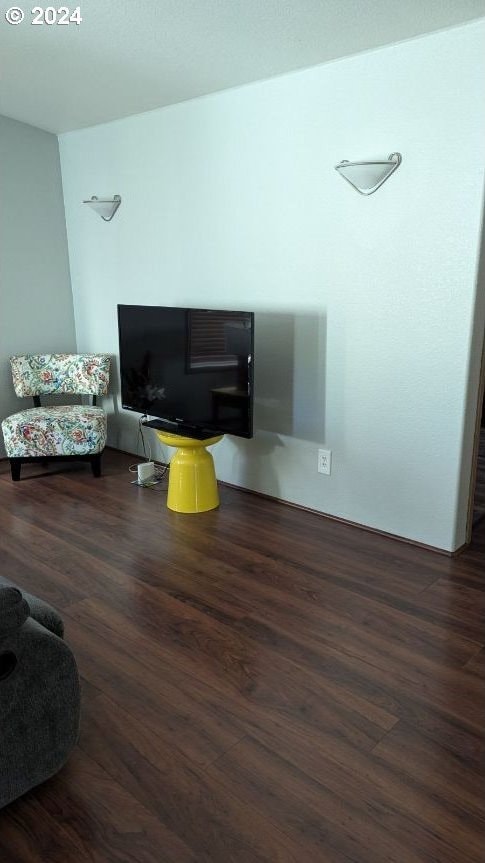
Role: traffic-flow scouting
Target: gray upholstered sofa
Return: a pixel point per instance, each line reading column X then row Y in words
column 39, row 693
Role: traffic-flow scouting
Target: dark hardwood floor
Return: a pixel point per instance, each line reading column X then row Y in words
column 479, row 497
column 260, row 683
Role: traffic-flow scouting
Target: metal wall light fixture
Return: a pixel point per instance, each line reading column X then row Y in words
column 106, row 207
column 367, row 177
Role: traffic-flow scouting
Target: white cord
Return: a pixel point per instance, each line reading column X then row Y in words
column 159, row 470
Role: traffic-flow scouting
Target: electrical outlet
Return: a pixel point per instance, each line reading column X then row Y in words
column 324, row 461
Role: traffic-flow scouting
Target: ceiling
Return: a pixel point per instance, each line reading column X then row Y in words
column 129, row 56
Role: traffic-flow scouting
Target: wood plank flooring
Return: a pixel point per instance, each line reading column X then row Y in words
column 260, row 685
column 479, row 497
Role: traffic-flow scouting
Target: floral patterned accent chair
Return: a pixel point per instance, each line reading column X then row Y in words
column 57, row 432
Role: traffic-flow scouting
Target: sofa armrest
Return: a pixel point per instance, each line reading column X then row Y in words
column 40, row 611
column 39, row 707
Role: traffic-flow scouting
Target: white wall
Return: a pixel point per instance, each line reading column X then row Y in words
column 364, row 305
column 36, row 308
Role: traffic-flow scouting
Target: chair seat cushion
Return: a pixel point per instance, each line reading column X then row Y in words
column 56, row 430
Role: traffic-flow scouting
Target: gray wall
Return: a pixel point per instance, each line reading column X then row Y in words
column 364, row 306
column 36, row 310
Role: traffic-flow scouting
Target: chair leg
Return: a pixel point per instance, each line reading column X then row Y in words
column 96, row 464
column 15, row 465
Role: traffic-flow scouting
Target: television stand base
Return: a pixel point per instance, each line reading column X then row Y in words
column 192, row 484
column 178, row 429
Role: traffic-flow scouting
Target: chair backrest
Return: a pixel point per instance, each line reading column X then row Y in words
column 43, row 374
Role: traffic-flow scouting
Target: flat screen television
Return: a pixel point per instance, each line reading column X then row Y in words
column 190, row 369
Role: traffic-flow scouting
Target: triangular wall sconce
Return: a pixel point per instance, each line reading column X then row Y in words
column 106, row 207
column 367, row 177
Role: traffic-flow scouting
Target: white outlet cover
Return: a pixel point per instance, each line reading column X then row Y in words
column 324, row 461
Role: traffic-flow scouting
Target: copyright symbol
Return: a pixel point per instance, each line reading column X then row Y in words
column 14, row 15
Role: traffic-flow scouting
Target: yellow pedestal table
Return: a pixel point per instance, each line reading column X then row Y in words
column 192, row 484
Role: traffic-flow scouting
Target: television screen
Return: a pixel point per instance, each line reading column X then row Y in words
column 190, row 368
